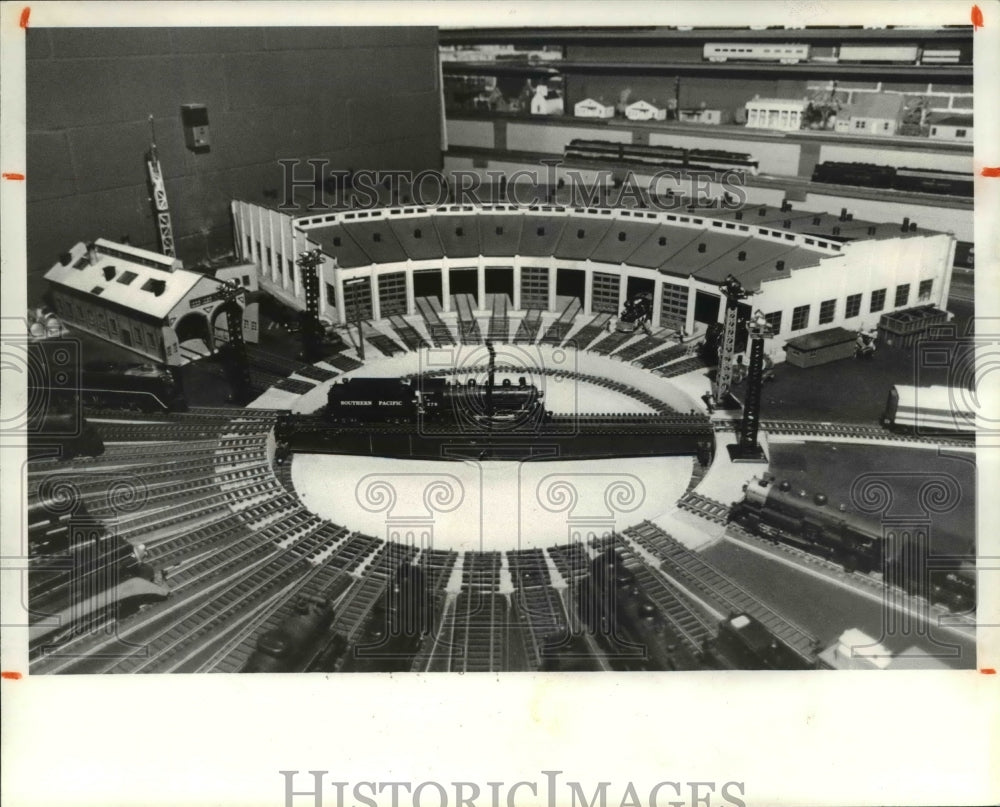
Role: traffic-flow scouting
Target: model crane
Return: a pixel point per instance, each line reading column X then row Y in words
column 163, row 223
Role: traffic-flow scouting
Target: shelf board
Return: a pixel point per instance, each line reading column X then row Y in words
column 725, row 132
column 633, row 36
column 941, row 74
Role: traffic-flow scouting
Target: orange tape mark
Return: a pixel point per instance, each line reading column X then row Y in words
column 977, row 17
column 25, row 13
column 19, row 177
column 988, row 671
column 991, row 172
column 11, row 676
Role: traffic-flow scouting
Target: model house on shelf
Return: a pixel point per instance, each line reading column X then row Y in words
column 590, row 108
column 872, row 114
column 955, row 128
column 711, row 117
column 784, row 114
column 546, row 101
column 645, row 110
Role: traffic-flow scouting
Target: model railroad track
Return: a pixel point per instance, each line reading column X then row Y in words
column 858, row 431
column 610, row 343
column 440, row 334
column 703, row 506
column 407, row 333
column 686, row 619
column 644, row 345
column 682, row 367
column 546, row 621
column 321, row 583
column 704, row 580
column 173, row 643
column 499, row 326
column 156, row 432
column 475, row 632
column 660, row 358
column 589, row 332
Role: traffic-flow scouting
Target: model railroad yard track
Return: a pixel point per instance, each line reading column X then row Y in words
column 721, row 593
column 858, row 431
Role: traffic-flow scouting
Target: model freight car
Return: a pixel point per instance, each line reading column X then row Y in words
column 929, row 410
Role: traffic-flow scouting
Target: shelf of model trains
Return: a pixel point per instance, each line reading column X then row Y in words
column 723, row 131
column 696, row 35
column 961, row 74
column 491, row 505
column 760, row 181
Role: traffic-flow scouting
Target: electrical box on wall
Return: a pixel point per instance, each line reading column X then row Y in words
column 195, row 120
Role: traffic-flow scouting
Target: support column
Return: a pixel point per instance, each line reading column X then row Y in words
column 411, row 306
column 265, row 270
column 445, row 287
column 373, row 284
column 657, row 303
column 283, row 253
column 338, row 284
column 481, row 285
column 273, row 269
column 517, row 286
column 553, row 276
column 588, row 290
column 254, row 252
column 689, row 317
column 622, row 290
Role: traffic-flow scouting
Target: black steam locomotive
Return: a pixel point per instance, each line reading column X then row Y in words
column 59, row 381
column 919, row 180
column 285, row 648
column 80, row 577
column 431, row 400
column 775, row 510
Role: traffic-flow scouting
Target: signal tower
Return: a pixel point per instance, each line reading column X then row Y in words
column 747, row 449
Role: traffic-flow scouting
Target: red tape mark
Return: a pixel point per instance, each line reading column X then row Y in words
column 988, row 671
column 13, row 176
column 991, row 172
column 11, row 676
column 25, row 13
column 977, row 18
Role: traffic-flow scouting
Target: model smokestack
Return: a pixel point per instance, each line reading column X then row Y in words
column 906, row 223
column 92, row 255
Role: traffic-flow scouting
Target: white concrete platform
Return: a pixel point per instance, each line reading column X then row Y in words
column 473, row 506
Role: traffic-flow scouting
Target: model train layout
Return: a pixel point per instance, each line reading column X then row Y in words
column 794, row 53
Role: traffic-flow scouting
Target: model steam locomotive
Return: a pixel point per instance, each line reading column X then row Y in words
column 661, row 156
column 919, row 180
column 638, row 313
column 776, row 511
column 60, row 382
column 431, row 400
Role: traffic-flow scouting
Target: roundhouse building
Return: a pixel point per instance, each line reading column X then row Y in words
column 810, row 271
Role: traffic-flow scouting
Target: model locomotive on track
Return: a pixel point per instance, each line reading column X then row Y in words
column 62, row 437
column 918, row 180
column 286, row 647
column 59, row 381
column 637, row 314
column 661, row 156
column 775, row 510
column 431, row 400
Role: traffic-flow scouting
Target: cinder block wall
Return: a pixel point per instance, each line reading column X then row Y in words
column 357, row 97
